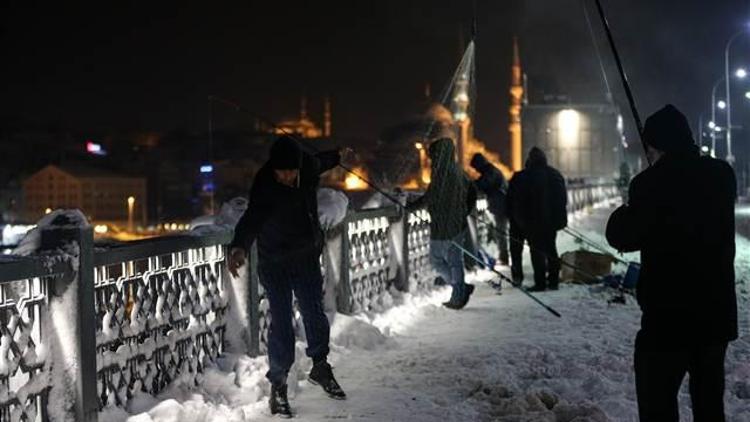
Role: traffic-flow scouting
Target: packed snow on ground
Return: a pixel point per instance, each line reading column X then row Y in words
column 502, row 358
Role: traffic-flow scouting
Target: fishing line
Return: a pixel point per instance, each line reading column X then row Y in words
column 388, row 196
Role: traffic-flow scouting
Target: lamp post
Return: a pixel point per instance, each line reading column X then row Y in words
column 740, row 74
column 713, row 116
column 131, row 203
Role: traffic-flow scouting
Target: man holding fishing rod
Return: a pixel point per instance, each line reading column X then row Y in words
column 283, row 216
column 680, row 216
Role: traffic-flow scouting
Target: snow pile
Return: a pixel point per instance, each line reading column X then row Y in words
column 60, row 218
column 332, row 207
column 228, row 216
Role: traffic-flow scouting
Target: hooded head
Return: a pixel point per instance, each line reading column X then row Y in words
column 286, row 154
column 668, row 130
column 441, row 152
column 536, row 158
column 479, row 162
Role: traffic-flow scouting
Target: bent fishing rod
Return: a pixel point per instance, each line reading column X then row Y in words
column 388, row 196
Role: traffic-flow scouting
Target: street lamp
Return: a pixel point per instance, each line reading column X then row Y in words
column 131, row 203
column 741, row 73
column 721, row 104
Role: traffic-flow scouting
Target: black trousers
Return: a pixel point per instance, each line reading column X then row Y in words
column 544, row 258
column 516, row 251
column 660, row 366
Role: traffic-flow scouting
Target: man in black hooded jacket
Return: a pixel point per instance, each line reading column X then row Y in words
column 537, row 206
column 680, row 216
column 282, row 216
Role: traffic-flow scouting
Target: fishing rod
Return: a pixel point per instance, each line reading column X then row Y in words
column 623, row 77
column 579, row 236
column 537, row 250
column 388, row 196
column 619, row 298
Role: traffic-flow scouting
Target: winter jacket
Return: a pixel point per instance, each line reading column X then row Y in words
column 450, row 197
column 284, row 219
column 492, row 183
column 537, row 198
column 681, row 218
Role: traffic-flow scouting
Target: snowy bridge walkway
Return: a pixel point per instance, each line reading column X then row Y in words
column 500, row 359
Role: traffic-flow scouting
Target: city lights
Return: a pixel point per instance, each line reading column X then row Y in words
column 721, row 104
column 740, row 73
column 568, row 122
column 207, row 168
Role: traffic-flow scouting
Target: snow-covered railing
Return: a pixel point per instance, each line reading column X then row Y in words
column 82, row 328
column 584, row 195
column 25, row 337
column 160, row 312
column 369, row 252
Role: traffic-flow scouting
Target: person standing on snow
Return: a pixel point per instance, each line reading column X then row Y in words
column 449, row 198
column 680, row 216
column 492, row 183
column 537, row 206
column 282, row 216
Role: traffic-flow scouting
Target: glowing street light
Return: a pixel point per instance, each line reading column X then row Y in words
column 747, row 95
column 711, row 125
column 721, row 104
column 740, row 73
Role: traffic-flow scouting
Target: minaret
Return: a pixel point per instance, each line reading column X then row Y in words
column 516, row 93
column 303, row 108
column 327, row 117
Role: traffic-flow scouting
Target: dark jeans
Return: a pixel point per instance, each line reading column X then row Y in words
column 306, row 281
column 544, row 258
column 516, row 252
column 660, row 366
column 448, row 262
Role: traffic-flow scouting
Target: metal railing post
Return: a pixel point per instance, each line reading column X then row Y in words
column 73, row 318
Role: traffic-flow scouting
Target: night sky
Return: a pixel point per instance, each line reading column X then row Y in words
column 141, row 66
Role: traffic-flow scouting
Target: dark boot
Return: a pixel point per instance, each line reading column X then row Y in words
column 537, row 288
column 468, row 290
column 279, row 403
column 322, row 375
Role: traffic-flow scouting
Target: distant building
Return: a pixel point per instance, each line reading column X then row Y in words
column 304, row 126
column 581, row 140
column 103, row 196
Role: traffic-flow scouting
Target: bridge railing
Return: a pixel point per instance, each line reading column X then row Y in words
column 91, row 327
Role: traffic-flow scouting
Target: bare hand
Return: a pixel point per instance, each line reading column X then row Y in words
column 346, row 155
column 236, row 259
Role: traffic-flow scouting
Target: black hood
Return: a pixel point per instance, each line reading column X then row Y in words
column 286, row 154
column 668, row 130
column 536, row 158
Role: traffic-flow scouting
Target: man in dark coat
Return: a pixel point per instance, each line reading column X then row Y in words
column 492, row 183
column 680, row 216
column 449, row 198
column 537, row 206
column 282, row 216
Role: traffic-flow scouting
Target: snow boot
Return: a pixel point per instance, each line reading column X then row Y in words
column 279, row 403
column 322, row 375
column 536, row 288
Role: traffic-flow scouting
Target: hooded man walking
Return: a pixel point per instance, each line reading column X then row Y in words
column 282, row 216
column 680, row 216
column 449, row 198
column 537, row 206
column 492, row 183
